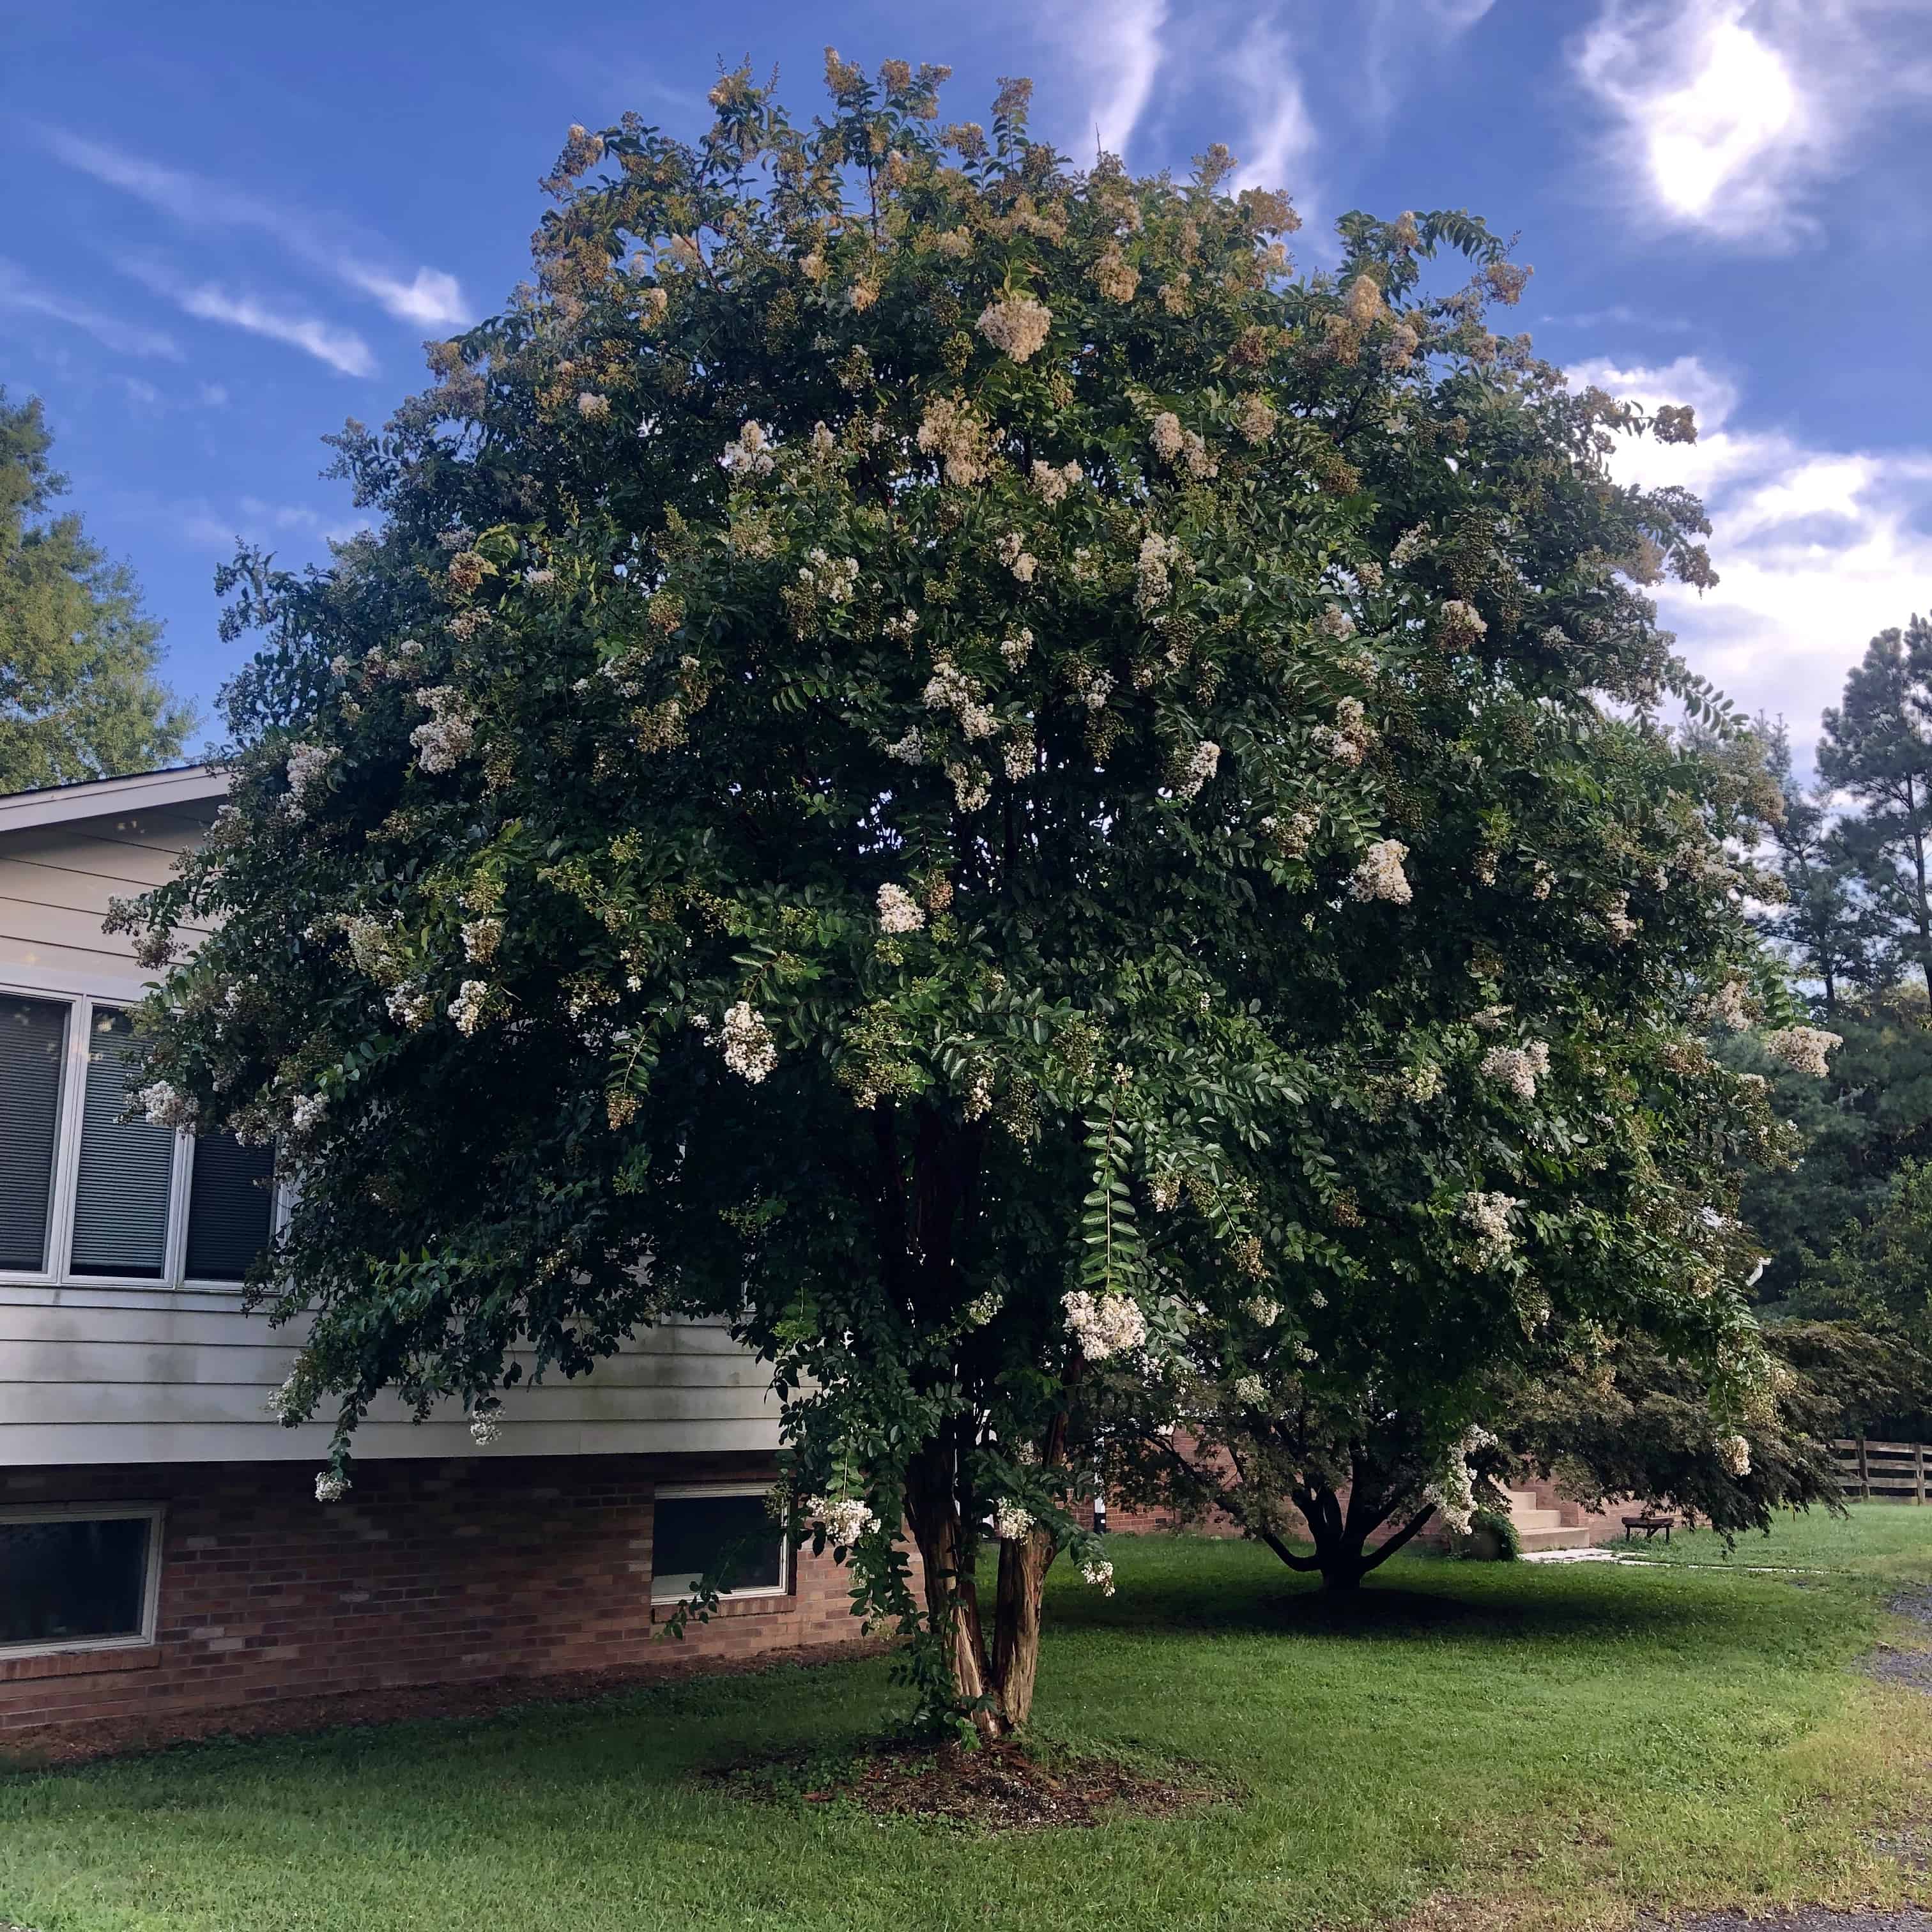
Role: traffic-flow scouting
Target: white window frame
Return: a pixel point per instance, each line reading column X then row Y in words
column 81, row 1005
column 697, row 1492
column 154, row 1514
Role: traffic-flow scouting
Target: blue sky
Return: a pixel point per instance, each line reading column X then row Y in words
column 232, row 226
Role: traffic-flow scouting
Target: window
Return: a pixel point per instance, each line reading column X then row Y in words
column 80, row 1579
column 86, row 1195
column 721, row 1530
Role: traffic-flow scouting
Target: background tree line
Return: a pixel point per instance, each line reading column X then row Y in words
column 1848, row 1230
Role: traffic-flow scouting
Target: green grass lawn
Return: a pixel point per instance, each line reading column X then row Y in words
column 1478, row 1745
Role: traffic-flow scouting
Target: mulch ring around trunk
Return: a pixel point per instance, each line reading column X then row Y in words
column 1004, row 1787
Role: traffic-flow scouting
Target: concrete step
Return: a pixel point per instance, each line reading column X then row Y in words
column 1553, row 1537
column 1526, row 1513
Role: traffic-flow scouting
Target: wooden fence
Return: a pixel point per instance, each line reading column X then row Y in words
column 1896, row 1470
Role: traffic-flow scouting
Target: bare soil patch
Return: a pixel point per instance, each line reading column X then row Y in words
column 991, row 1788
column 37, row 1746
column 1814, row 1918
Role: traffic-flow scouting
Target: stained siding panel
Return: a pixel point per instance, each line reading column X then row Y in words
column 96, row 1374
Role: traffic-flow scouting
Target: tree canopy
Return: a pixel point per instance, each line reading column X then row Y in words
column 942, row 756
column 78, row 697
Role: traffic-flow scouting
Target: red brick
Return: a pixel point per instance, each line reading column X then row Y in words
column 431, row 1572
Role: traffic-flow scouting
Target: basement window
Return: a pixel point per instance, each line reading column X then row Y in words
column 79, row 1579
column 721, row 1530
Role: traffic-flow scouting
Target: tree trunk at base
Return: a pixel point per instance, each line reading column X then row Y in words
column 1023, row 1568
column 952, row 1590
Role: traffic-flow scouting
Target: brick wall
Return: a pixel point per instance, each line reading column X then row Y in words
column 428, row 1573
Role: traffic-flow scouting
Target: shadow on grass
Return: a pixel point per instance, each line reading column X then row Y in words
column 1416, row 1598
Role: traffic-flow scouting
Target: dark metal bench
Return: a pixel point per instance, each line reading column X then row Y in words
column 1650, row 1525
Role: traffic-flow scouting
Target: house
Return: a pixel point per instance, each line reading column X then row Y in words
column 161, row 1547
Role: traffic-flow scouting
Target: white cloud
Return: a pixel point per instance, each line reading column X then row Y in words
column 1727, row 113
column 431, row 299
column 19, row 292
column 1817, row 549
column 1116, row 46
column 342, row 348
column 1281, row 133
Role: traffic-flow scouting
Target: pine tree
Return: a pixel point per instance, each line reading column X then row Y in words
column 79, row 698
column 1877, row 745
column 1833, row 936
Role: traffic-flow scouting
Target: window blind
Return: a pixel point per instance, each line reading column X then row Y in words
column 230, row 1199
column 121, row 1196
column 33, row 1041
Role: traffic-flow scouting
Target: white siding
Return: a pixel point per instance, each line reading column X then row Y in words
column 56, row 881
column 101, row 1374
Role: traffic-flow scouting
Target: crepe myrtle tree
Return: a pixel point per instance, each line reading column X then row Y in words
column 1536, row 1256
column 913, row 715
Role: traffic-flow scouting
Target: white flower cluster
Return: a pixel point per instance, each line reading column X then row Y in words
column 1050, row 484
column 1100, row 1574
column 1018, row 326
column 486, row 1424
column 1542, row 877
column 1489, row 1217
column 846, row 1518
column 1349, row 739
column 1251, row 1392
column 1153, row 571
column 1421, row 1083
column 1104, row 1325
column 1092, row 688
column 1380, row 875
column 1292, row 836
column 1729, row 1005
column 1202, row 765
column 450, row 733
column 481, row 939
column 165, row 1105
column 910, row 750
column 330, row 1487
column 981, row 1309
column 1185, row 447
column 1016, row 649
column 949, row 688
column 1734, row 1452
column 1802, row 1048
column 900, row 628
column 308, row 766
column 833, row 578
column 1617, row 921
column 749, row 1050
column 1413, row 542
column 1019, row 755
column 1518, row 1068
column 1255, row 418
column 1010, row 1521
column 592, row 406
column 1015, row 555
column 1461, row 623
column 951, row 431
column 751, row 454
column 899, row 910
column 972, row 785
column 1453, row 1492
column 1262, row 1310
column 471, row 1006
column 410, row 1005
column 308, row 1111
